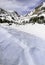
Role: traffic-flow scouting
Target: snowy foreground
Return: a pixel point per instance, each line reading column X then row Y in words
column 34, row 29
column 22, row 45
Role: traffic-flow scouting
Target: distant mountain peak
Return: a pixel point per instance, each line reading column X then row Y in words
column 7, row 15
column 39, row 9
column 2, row 11
column 16, row 18
column 14, row 12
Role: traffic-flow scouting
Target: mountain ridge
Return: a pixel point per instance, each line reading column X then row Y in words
column 16, row 18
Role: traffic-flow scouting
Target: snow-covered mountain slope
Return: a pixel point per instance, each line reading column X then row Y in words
column 10, row 16
column 40, row 9
column 38, row 12
column 33, row 16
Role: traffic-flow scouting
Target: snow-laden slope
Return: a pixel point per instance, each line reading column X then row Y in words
column 37, row 12
column 19, row 48
column 14, row 17
column 40, row 9
column 7, row 15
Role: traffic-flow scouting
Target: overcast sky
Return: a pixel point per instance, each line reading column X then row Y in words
column 21, row 6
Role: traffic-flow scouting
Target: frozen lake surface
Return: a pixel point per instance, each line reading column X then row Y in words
column 20, row 48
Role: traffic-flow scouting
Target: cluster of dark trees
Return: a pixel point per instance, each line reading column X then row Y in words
column 6, row 21
column 39, row 20
column 43, row 8
column 33, row 20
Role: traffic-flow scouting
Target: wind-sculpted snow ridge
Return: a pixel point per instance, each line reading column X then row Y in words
column 20, row 48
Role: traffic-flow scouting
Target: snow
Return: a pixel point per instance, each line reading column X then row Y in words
column 34, row 29
column 2, row 18
column 43, row 14
column 8, row 18
column 35, row 15
column 22, row 45
column 43, row 4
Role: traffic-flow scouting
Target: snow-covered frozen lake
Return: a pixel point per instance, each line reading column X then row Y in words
column 20, row 48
